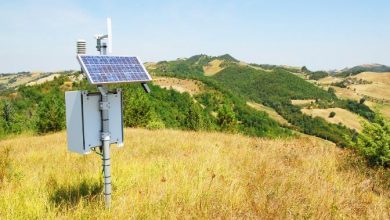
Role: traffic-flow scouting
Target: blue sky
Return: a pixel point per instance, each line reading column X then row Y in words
column 40, row 35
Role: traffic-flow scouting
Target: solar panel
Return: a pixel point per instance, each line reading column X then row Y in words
column 103, row 69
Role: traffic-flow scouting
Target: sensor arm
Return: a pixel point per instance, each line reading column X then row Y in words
column 146, row 87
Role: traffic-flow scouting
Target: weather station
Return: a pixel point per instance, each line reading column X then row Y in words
column 94, row 119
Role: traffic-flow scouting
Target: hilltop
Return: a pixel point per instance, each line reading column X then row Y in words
column 378, row 68
column 182, row 174
column 271, row 86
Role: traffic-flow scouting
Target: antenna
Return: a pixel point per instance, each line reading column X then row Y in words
column 109, row 36
column 101, row 47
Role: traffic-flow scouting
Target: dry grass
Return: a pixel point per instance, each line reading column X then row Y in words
column 374, row 77
column 44, row 79
column 302, row 102
column 345, row 93
column 176, row 174
column 329, row 80
column 180, row 85
column 270, row 111
column 376, row 90
column 343, row 116
column 380, row 87
column 213, row 67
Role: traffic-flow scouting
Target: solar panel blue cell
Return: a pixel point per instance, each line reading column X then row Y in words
column 113, row 69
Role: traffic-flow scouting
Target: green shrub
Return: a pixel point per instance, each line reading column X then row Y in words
column 374, row 142
column 138, row 110
column 226, row 118
column 51, row 113
column 332, row 114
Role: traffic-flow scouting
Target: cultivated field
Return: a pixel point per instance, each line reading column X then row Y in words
column 175, row 174
column 342, row 116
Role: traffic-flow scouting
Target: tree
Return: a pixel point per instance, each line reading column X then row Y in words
column 332, row 114
column 194, row 119
column 331, row 91
column 138, row 110
column 226, row 118
column 374, row 142
column 10, row 120
column 362, row 100
column 51, row 113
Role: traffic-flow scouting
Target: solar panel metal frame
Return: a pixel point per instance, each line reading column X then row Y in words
column 87, row 73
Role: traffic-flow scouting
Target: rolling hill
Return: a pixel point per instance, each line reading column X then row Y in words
column 379, row 68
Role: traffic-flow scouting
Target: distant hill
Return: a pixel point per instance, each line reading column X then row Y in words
column 270, row 85
column 379, row 68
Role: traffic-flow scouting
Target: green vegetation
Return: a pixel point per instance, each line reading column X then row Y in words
column 332, row 114
column 364, row 68
column 41, row 109
column 277, row 88
column 50, row 115
column 374, row 142
column 221, row 106
column 318, row 75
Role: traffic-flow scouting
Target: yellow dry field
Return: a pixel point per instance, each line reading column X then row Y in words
column 212, row 67
column 343, row 116
column 20, row 79
column 380, row 87
column 329, row 80
column 180, row 85
column 151, row 65
column 302, row 102
column 270, row 111
column 43, row 80
column 345, row 93
column 376, row 90
column 375, row 77
column 167, row 174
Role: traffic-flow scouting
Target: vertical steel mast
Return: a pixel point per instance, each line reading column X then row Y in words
column 104, row 108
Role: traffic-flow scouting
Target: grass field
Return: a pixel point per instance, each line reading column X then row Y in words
column 213, row 67
column 374, row 77
column 329, row 80
column 270, row 111
column 180, row 85
column 176, row 174
column 302, row 102
column 342, row 116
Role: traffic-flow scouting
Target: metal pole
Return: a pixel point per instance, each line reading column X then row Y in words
column 105, row 135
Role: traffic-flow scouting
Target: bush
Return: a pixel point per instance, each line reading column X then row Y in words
column 51, row 113
column 332, row 114
column 194, row 119
column 138, row 110
column 227, row 119
column 374, row 142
